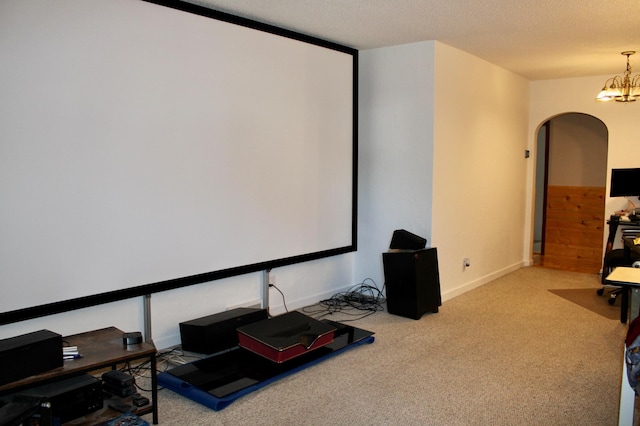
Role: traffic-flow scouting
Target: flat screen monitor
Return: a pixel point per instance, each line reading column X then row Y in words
column 625, row 183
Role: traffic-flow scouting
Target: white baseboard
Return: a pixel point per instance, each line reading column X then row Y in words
column 450, row 294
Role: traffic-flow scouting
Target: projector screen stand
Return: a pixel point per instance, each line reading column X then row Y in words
column 265, row 290
column 147, row 318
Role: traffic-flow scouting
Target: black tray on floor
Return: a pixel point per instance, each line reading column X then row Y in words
column 218, row 380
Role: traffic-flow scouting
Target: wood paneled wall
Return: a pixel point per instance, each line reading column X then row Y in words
column 574, row 228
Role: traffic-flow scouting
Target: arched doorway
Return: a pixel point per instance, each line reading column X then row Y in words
column 571, row 172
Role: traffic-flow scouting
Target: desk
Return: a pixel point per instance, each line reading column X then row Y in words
column 613, row 230
column 628, row 277
column 628, row 246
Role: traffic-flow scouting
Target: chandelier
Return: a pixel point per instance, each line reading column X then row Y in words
column 621, row 89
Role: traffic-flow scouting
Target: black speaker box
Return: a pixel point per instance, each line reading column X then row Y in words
column 217, row 332
column 29, row 354
column 412, row 282
column 402, row 239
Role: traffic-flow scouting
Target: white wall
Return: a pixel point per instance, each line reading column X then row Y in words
column 481, row 117
column 577, row 151
column 395, row 150
column 442, row 140
column 550, row 98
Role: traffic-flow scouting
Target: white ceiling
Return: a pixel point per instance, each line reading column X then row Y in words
column 537, row 39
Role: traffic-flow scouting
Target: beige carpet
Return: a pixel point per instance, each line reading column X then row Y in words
column 587, row 298
column 508, row 353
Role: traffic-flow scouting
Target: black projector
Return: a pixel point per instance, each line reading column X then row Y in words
column 217, row 332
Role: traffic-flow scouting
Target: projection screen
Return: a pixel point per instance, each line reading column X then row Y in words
column 146, row 146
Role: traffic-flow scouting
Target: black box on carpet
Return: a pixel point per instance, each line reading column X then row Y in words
column 215, row 333
column 29, row 354
column 285, row 336
column 412, row 282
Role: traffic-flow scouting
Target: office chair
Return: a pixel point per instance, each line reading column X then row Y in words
column 613, row 259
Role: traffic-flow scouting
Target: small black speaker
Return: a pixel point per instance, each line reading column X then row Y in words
column 405, row 240
column 412, row 282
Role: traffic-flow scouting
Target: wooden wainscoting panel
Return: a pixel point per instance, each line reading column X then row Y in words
column 574, row 228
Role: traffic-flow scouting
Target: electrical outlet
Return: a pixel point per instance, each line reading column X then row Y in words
column 272, row 278
column 466, row 262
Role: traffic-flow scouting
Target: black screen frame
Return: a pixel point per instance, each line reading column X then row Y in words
column 171, row 284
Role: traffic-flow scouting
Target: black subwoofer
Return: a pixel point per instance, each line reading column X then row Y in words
column 412, row 282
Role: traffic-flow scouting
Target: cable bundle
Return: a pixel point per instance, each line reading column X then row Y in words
column 359, row 301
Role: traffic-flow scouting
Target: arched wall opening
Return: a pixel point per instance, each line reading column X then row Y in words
column 570, row 192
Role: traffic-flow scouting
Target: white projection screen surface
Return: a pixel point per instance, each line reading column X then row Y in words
column 145, row 147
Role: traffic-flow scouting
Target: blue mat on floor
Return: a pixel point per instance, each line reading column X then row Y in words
column 188, row 389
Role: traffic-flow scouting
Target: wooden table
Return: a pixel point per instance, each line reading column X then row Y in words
column 100, row 349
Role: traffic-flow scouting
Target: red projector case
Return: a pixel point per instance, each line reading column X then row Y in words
column 286, row 336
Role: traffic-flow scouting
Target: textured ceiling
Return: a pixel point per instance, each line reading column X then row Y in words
column 542, row 39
